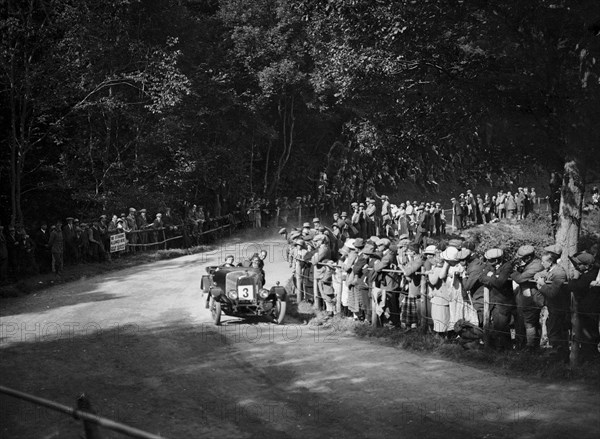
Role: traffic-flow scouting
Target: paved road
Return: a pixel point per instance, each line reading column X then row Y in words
column 141, row 344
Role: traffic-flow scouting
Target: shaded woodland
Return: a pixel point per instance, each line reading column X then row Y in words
column 163, row 102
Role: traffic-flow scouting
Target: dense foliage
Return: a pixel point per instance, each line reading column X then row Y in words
column 160, row 102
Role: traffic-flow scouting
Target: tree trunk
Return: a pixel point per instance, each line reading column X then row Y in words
column 569, row 219
column 268, row 159
column 251, row 160
column 288, row 124
column 13, row 181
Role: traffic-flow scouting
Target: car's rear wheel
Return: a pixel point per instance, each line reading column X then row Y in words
column 215, row 310
column 281, row 309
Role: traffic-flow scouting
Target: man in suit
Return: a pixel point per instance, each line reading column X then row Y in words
column 551, row 284
column 69, row 241
column 386, row 216
column 42, row 249
column 142, row 224
column 586, row 290
column 495, row 276
column 387, row 285
column 371, row 217
column 457, row 211
column 528, row 298
column 132, row 236
column 423, row 224
column 56, row 244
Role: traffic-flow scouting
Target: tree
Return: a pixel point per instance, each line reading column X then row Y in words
column 68, row 64
column 267, row 42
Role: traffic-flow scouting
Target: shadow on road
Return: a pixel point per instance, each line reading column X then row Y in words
column 189, row 379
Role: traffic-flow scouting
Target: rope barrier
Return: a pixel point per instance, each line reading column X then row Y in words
column 155, row 243
column 427, row 320
column 404, row 292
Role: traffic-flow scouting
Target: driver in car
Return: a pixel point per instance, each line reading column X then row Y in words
column 229, row 261
column 258, row 263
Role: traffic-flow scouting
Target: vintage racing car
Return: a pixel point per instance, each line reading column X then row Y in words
column 238, row 292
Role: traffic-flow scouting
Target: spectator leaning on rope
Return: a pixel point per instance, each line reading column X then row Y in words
column 495, row 276
column 440, row 297
column 528, row 298
column 409, row 317
column 551, row 284
column 586, row 289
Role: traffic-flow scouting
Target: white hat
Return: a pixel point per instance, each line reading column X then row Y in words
column 430, row 250
column 450, row 254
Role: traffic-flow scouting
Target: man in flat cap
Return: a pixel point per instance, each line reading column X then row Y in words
column 307, row 232
column 457, row 214
column 502, row 300
column 371, row 217
column 586, row 290
column 359, row 221
column 386, row 216
column 56, row 244
column 316, row 226
column 142, row 224
column 359, row 300
column 132, row 236
column 42, row 250
column 551, row 284
column 386, row 284
column 289, row 250
column 528, row 298
column 69, row 241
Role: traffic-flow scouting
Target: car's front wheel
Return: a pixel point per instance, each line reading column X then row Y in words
column 281, row 309
column 215, row 310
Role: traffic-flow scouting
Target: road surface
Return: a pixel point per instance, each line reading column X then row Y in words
column 141, row 345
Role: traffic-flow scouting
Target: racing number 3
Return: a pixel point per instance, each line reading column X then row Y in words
column 245, row 293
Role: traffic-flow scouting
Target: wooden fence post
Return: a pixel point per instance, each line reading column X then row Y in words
column 299, row 289
column 315, row 288
column 575, row 332
column 423, row 304
column 375, row 318
column 90, row 429
column 486, row 316
column 338, row 299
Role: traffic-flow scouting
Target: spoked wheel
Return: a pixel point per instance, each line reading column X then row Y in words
column 215, row 310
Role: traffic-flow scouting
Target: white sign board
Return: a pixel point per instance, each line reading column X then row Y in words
column 118, row 242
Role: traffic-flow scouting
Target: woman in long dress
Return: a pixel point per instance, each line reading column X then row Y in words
column 440, row 298
column 446, row 284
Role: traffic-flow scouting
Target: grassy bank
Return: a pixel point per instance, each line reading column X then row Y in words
column 72, row 273
column 85, row 270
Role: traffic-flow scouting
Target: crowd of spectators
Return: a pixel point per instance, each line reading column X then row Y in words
column 465, row 210
column 477, row 209
column 378, row 263
column 52, row 245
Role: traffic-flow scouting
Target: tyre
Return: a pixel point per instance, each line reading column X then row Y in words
column 215, row 310
column 281, row 309
column 205, row 284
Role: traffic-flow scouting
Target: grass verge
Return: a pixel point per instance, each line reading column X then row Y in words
column 85, row 270
column 513, row 363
